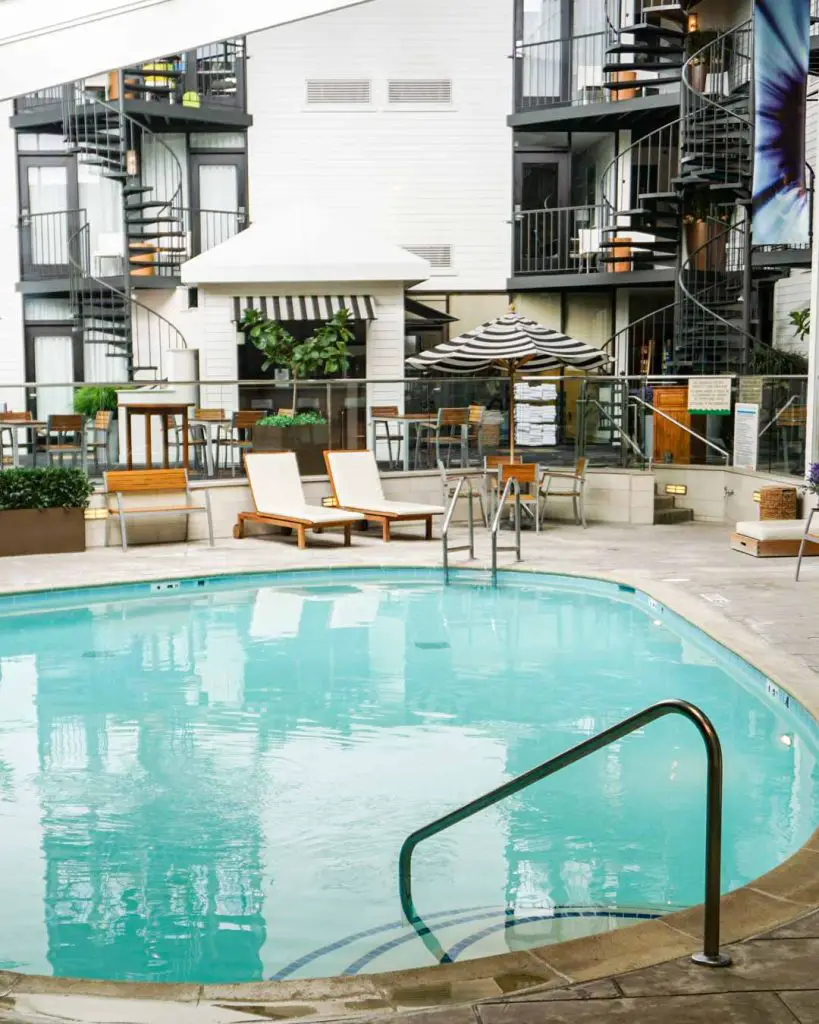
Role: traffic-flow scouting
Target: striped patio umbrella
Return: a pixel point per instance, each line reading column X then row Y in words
column 512, row 343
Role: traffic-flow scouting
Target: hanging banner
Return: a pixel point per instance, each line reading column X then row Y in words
column 781, row 211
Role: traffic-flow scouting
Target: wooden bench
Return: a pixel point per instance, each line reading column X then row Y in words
column 152, row 481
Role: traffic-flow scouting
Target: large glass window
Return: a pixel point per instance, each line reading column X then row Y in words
column 542, row 20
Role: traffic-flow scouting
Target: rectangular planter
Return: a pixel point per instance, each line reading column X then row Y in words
column 309, row 444
column 42, row 531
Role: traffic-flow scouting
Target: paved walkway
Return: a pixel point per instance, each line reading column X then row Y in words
column 774, row 978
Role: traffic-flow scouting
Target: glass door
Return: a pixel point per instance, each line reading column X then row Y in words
column 218, row 198
column 48, row 213
column 541, row 196
column 54, row 360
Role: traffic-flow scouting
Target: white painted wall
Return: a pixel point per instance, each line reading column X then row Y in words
column 415, row 175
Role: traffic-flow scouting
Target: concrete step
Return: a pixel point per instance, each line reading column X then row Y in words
column 663, row 502
column 665, row 517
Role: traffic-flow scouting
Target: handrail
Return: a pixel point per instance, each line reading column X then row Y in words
column 710, row 955
column 785, row 407
column 470, row 546
column 511, row 483
column 682, row 426
column 630, row 441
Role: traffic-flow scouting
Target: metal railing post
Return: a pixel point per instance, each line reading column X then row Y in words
column 517, row 520
column 710, row 955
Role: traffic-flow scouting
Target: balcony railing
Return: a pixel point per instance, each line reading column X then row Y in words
column 51, row 97
column 45, row 243
column 567, row 71
column 558, row 241
column 209, row 228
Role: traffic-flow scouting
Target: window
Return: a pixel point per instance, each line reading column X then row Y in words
column 432, row 90
column 343, row 91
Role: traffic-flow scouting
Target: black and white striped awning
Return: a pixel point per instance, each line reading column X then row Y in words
column 305, row 307
column 512, row 341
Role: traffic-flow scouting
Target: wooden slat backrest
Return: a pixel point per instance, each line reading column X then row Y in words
column 68, row 423
column 493, row 461
column 383, row 410
column 284, row 412
column 452, row 417
column 16, row 416
column 140, row 481
column 580, row 467
column 245, row 418
column 475, row 415
column 102, row 421
column 209, row 414
column 523, row 473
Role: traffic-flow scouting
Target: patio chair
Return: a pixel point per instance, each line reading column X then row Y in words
column 377, row 415
column 448, row 433
column 474, row 434
column 7, row 418
column 238, row 437
column 278, row 497
column 449, row 484
column 99, row 437
column 527, row 475
column 357, row 487
column 808, row 536
column 491, row 478
column 573, row 486
column 65, row 435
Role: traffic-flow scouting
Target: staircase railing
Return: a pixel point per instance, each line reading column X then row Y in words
column 710, row 955
column 470, row 544
column 512, row 484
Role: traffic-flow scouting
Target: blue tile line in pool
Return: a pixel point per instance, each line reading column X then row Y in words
column 446, row 919
column 752, row 678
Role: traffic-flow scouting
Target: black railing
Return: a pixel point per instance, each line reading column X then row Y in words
column 209, row 228
column 561, row 71
column 561, row 240
column 710, row 955
column 45, row 243
column 213, row 75
column 220, row 73
column 50, row 97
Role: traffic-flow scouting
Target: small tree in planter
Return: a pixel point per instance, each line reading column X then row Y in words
column 325, row 351
column 90, row 400
column 42, row 510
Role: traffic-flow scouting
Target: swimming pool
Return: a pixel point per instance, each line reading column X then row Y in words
column 210, row 780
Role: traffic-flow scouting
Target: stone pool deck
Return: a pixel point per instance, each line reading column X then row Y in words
column 753, row 605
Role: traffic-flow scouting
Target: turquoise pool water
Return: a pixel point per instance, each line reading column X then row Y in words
column 211, row 782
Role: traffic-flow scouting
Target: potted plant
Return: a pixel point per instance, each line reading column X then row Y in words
column 42, row 511
column 324, row 352
column 90, row 400
column 706, row 234
column 701, row 61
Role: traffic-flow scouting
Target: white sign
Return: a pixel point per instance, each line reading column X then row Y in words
column 710, row 395
column 746, row 435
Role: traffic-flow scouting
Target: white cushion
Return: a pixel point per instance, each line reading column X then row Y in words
column 773, row 529
column 405, row 508
column 276, row 487
column 355, row 479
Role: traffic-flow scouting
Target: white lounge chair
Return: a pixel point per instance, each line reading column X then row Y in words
column 357, row 487
column 279, row 499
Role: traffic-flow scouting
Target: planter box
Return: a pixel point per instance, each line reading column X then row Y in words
column 309, row 444
column 42, row 531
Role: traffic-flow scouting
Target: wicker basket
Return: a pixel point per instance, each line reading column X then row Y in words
column 777, row 503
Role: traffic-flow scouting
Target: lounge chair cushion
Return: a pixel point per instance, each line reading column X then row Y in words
column 358, row 485
column 277, row 491
column 772, row 529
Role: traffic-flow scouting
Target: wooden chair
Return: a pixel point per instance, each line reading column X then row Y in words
column 285, row 412
column 65, row 435
column 376, row 414
column 120, row 483
column 449, row 432
column 99, row 439
column 574, row 488
column 6, row 434
column 527, row 475
column 474, row 423
column 491, row 477
column 449, row 484
column 238, row 437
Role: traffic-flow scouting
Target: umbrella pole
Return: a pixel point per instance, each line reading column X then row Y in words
column 511, row 414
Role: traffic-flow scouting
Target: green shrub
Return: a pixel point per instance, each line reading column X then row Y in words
column 53, row 487
column 89, row 401
column 301, row 419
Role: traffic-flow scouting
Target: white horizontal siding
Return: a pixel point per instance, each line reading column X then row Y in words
column 416, row 176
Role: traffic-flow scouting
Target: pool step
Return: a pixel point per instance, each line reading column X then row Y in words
column 667, row 513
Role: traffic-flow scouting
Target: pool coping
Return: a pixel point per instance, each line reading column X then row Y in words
column 782, row 895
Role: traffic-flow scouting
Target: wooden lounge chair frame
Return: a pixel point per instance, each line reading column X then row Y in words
column 385, row 519
column 289, row 523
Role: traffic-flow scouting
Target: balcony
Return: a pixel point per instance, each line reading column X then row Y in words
column 197, row 88
column 50, row 244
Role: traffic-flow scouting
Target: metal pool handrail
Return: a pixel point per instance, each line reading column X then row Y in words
column 470, row 546
column 710, row 955
column 511, row 483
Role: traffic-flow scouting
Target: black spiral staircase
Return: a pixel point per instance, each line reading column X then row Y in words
column 680, row 197
column 106, row 311
column 652, row 45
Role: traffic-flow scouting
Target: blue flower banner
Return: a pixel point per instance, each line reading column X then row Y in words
column 781, row 51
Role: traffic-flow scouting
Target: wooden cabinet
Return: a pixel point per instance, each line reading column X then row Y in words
column 668, row 438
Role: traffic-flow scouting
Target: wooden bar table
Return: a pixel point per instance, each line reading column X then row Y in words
column 164, row 412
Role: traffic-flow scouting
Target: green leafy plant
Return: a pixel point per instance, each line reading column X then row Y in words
column 800, row 321
column 51, row 487
column 90, row 400
column 325, row 351
column 301, row 419
column 772, row 362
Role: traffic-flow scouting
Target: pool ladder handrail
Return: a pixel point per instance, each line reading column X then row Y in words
column 710, row 955
column 511, row 484
column 470, row 545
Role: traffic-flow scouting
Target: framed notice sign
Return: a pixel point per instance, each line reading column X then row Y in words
column 746, row 435
column 710, row 396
